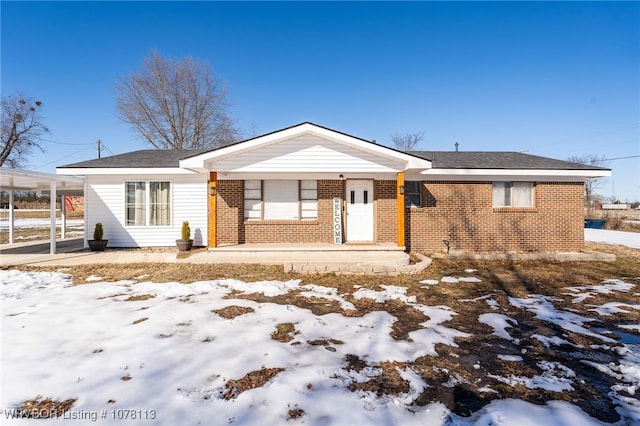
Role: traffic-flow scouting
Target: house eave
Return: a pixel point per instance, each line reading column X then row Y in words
column 124, row 171
column 580, row 174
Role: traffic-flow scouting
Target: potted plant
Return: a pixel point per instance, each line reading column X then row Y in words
column 98, row 244
column 186, row 242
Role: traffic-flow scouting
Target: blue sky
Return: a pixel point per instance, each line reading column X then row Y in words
column 549, row 78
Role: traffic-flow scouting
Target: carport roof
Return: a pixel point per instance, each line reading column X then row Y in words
column 26, row 180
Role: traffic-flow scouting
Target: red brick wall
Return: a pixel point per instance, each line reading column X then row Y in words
column 233, row 229
column 385, row 211
column 230, row 211
column 462, row 213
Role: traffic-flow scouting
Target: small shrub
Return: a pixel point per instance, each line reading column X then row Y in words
column 186, row 231
column 98, row 232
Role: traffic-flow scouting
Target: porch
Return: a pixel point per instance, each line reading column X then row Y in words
column 374, row 259
column 382, row 259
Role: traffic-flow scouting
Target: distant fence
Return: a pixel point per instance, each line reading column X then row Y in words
column 615, row 206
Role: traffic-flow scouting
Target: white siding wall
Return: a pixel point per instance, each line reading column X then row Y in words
column 309, row 154
column 105, row 202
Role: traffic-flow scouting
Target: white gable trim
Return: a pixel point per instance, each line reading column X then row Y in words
column 404, row 161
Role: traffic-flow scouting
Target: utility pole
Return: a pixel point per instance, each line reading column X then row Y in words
column 98, row 147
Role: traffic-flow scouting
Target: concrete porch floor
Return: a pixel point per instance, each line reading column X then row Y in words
column 302, row 258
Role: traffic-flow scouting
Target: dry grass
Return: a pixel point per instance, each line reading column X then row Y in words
column 45, row 408
column 619, row 220
column 284, row 332
column 250, row 381
column 231, row 312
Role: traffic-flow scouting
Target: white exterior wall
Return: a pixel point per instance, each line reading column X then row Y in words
column 105, row 203
column 307, row 154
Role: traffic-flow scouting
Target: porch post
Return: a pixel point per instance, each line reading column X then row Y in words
column 213, row 195
column 400, row 206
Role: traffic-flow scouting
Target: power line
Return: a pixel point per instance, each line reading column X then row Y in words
column 608, row 159
column 107, row 148
column 62, row 158
column 621, row 158
column 65, row 143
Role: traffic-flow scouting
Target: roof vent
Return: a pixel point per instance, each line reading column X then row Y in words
column 457, row 144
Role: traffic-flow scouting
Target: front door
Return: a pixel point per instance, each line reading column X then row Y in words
column 359, row 211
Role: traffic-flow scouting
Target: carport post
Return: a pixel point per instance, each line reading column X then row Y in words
column 11, row 222
column 52, row 201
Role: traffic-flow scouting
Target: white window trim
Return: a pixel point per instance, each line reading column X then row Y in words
column 147, row 200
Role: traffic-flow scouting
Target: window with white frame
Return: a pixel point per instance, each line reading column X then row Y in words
column 147, row 203
column 512, row 194
column 280, row 199
column 413, row 194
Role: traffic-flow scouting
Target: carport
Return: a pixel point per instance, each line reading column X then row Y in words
column 13, row 180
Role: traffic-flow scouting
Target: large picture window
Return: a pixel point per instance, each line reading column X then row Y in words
column 512, row 194
column 147, row 203
column 280, row 200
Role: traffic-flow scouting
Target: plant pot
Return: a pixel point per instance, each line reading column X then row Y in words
column 184, row 245
column 98, row 245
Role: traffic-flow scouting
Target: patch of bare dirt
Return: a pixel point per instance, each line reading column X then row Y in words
column 45, row 408
column 284, row 332
column 389, row 382
column 252, row 380
column 139, row 297
column 231, row 312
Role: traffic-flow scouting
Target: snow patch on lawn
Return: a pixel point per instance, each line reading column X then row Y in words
column 499, row 323
column 606, row 287
column 390, row 292
column 544, row 310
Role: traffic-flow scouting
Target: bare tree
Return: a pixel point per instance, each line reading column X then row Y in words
column 22, row 128
column 176, row 104
column 591, row 184
column 406, row 141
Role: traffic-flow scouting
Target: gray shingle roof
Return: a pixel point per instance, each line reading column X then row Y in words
column 496, row 160
column 153, row 158
column 147, row 158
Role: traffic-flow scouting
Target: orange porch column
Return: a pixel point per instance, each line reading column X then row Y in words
column 213, row 195
column 400, row 206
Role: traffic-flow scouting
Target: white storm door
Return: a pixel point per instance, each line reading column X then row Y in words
column 359, row 211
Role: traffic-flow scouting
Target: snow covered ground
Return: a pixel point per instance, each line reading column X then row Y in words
column 160, row 353
column 629, row 239
column 163, row 353
column 20, row 223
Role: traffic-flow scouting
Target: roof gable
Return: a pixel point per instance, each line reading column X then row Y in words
column 307, row 147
